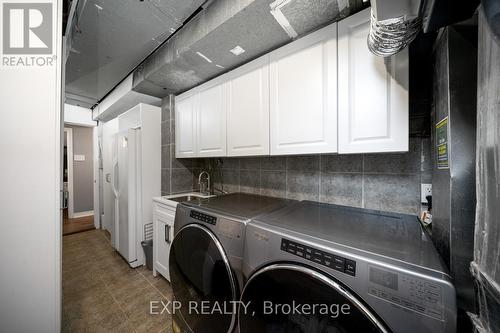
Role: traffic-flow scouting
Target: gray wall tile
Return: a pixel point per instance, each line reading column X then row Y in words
column 250, row 181
column 273, row 183
column 250, row 163
column 165, row 109
column 305, row 163
column 231, row 180
column 342, row 189
column 426, row 177
column 395, row 162
column 195, row 172
column 426, row 155
column 182, row 180
column 230, row 163
column 165, row 181
column 165, row 157
column 165, row 133
column 393, row 192
column 302, row 185
column 342, row 163
column 273, row 163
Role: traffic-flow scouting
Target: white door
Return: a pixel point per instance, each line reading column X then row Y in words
column 122, row 226
column 185, row 125
column 248, row 109
column 211, row 120
column 163, row 237
column 303, row 93
column 373, row 92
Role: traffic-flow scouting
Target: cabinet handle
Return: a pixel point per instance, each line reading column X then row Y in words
column 167, row 233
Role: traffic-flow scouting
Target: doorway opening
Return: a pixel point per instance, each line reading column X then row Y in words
column 78, row 179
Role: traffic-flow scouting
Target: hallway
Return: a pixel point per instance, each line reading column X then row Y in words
column 101, row 293
column 79, row 224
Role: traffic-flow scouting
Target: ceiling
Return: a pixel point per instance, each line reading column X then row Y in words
column 108, row 39
column 200, row 50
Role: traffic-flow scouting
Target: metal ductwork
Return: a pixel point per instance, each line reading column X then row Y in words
column 394, row 25
column 229, row 33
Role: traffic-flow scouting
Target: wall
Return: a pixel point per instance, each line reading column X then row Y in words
column 76, row 115
column 388, row 182
column 486, row 267
column 30, row 174
column 455, row 82
column 83, row 172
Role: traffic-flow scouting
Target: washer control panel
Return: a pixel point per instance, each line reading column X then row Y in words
column 410, row 292
column 338, row 263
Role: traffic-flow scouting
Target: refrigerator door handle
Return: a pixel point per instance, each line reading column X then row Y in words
column 113, row 178
column 167, row 233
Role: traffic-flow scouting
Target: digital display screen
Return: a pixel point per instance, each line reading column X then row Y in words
column 384, row 278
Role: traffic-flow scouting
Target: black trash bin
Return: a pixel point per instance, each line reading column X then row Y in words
column 147, row 246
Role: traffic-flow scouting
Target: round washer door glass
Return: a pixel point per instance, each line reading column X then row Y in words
column 294, row 299
column 202, row 280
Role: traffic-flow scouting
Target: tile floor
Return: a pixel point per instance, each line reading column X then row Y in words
column 101, row 293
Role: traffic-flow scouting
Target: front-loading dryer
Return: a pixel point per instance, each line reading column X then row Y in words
column 206, row 257
column 322, row 268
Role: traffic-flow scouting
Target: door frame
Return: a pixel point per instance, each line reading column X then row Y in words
column 69, row 156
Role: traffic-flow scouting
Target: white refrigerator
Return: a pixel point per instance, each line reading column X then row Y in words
column 135, row 180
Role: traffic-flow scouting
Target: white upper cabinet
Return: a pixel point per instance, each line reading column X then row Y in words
column 185, row 125
column 373, row 92
column 211, row 119
column 303, row 95
column 248, row 109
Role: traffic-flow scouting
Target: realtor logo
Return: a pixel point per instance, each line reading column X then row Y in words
column 27, row 28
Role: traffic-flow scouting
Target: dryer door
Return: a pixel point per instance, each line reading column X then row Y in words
column 293, row 299
column 202, row 280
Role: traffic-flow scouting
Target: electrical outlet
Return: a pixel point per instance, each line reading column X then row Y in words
column 426, row 189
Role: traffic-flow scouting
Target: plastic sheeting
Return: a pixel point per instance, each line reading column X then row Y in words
column 486, row 265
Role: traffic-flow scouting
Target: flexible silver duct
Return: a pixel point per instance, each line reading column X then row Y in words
column 388, row 37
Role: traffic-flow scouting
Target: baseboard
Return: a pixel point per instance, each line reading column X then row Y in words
column 83, row 214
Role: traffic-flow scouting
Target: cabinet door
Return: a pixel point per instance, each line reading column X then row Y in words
column 373, row 92
column 163, row 237
column 303, row 94
column 248, row 109
column 211, row 120
column 185, row 125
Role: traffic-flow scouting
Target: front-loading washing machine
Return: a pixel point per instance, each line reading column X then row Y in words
column 206, row 256
column 321, row 268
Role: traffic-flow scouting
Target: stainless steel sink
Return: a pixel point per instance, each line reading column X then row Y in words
column 185, row 198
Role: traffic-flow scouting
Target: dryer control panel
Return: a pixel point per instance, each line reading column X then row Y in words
column 336, row 262
column 407, row 291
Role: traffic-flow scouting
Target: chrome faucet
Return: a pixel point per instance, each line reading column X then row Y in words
column 208, row 182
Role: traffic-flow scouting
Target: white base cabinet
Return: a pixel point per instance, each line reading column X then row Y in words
column 163, row 234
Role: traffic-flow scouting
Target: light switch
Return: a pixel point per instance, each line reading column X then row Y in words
column 79, row 158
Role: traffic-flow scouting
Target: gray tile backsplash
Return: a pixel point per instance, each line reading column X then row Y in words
column 392, row 192
column 273, row 183
column 389, row 182
column 302, row 185
column 342, row 189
